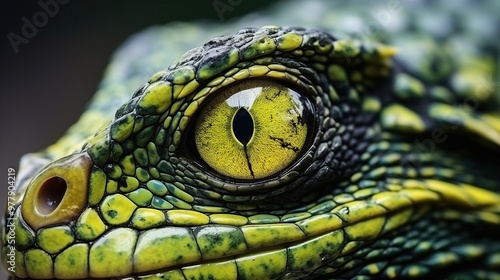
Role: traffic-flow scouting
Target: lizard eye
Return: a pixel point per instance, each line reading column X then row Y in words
column 253, row 129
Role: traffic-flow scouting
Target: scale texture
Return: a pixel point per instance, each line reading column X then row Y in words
column 313, row 140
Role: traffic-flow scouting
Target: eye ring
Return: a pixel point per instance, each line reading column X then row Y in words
column 268, row 148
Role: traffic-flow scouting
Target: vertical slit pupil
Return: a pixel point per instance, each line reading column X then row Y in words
column 243, row 126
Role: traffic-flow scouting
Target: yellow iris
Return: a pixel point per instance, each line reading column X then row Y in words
column 253, row 129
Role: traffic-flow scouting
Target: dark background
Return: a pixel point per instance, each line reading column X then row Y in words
column 45, row 85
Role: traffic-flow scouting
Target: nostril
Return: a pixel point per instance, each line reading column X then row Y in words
column 51, row 194
column 58, row 192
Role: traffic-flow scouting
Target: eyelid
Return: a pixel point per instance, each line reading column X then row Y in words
column 276, row 143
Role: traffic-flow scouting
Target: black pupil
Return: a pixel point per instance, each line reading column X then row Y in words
column 243, row 126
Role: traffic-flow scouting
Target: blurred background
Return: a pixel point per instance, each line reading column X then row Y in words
column 46, row 81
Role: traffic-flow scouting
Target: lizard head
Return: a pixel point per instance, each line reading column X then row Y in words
column 274, row 152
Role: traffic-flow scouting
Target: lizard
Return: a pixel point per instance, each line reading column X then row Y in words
column 332, row 145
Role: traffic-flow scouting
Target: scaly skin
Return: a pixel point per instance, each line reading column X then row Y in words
column 396, row 176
